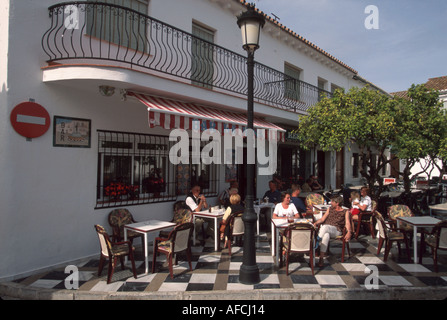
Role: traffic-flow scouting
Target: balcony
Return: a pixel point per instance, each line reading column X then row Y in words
column 95, row 33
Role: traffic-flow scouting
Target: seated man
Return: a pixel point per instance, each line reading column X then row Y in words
column 196, row 202
column 224, row 197
column 306, row 187
column 315, row 184
column 273, row 194
column 298, row 202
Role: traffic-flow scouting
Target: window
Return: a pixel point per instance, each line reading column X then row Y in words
column 119, row 26
column 135, row 169
column 322, row 84
column 291, row 82
column 335, row 87
column 191, row 173
column 355, row 165
column 202, row 70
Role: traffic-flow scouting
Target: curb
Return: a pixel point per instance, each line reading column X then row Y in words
column 11, row 290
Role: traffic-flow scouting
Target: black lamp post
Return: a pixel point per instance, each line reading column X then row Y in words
column 250, row 23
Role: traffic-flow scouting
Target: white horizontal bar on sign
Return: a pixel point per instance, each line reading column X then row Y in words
column 30, row 119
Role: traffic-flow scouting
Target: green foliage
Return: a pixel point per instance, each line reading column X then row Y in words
column 411, row 128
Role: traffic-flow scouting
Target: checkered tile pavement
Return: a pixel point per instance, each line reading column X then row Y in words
column 216, row 271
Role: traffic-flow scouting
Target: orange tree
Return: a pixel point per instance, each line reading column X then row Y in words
column 375, row 122
column 422, row 131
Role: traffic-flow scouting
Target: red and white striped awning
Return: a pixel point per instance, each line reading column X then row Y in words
column 172, row 114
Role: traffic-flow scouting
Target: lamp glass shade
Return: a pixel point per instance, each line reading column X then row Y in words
column 250, row 23
column 250, row 34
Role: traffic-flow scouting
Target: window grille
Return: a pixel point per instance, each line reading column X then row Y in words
column 135, row 169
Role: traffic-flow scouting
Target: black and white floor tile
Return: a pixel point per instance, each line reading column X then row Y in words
column 217, row 271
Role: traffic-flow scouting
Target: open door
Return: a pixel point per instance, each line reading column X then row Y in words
column 340, row 168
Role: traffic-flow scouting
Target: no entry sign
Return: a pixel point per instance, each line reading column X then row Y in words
column 30, row 119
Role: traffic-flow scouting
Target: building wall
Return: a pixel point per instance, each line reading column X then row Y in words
column 48, row 193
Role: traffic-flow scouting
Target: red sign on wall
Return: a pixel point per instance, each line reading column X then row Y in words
column 30, row 119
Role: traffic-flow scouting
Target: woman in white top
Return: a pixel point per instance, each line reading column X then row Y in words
column 285, row 208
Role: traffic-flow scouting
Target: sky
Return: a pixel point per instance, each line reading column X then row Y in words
column 408, row 44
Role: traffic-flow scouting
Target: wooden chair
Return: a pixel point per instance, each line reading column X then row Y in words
column 179, row 240
column 113, row 250
column 365, row 219
column 388, row 235
column 298, row 238
column 436, row 239
column 118, row 218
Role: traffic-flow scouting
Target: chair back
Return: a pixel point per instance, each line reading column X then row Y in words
column 300, row 236
column 373, row 205
column 237, row 226
column 118, row 218
column 180, row 237
column 399, row 210
column 313, row 199
column 440, row 231
column 381, row 224
column 104, row 240
column 182, row 215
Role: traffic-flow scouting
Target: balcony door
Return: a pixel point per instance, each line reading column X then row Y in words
column 202, row 69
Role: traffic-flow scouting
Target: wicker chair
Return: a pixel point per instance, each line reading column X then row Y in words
column 112, row 251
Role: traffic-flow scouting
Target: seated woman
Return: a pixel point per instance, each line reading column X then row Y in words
column 332, row 224
column 285, row 208
column 235, row 206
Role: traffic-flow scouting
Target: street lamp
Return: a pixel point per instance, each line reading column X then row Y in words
column 250, row 22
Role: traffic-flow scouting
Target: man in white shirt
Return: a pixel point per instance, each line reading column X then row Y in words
column 196, row 202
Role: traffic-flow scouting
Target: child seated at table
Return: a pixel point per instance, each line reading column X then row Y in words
column 355, row 201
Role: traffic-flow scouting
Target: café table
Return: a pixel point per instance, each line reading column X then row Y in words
column 277, row 224
column 146, row 227
column 440, row 208
column 258, row 208
column 215, row 214
column 417, row 222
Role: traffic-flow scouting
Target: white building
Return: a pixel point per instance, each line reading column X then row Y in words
column 86, row 64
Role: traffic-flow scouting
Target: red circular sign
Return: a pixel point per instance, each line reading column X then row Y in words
column 30, row 119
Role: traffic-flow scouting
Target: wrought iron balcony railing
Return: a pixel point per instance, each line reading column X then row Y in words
column 84, row 30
